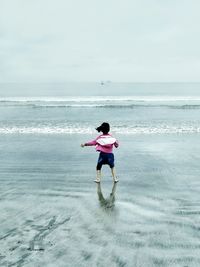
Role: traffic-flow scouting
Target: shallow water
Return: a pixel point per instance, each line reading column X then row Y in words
column 53, row 214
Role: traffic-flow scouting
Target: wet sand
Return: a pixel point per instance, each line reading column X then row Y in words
column 53, row 214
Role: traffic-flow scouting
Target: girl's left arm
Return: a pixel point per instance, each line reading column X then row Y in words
column 91, row 143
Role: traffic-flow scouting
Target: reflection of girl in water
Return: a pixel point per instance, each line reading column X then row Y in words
column 107, row 203
column 104, row 144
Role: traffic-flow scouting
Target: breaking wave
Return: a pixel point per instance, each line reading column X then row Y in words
column 180, row 102
column 90, row 130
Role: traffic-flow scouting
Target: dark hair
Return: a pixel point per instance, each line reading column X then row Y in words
column 104, row 128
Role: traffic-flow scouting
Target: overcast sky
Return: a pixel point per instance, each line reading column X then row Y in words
column 93, row 40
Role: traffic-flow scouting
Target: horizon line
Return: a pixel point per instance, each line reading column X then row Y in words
column 96, row 82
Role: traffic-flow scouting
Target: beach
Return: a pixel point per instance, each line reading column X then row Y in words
column 52, row 212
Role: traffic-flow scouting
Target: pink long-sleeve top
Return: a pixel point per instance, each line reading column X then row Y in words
column 104, row 143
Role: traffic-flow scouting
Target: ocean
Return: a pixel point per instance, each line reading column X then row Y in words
column 53, row 214
column 131, row 109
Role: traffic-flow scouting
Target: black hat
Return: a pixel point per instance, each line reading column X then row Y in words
column 104, row 128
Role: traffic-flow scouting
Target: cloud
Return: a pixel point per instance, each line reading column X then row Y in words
column 91, row 40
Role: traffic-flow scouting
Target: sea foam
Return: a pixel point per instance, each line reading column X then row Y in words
column 90, row 130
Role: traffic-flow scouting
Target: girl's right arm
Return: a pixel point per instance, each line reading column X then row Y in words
column 116, row 144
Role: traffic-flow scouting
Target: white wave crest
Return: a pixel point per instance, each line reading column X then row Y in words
column 146, row 98
column 90, row 130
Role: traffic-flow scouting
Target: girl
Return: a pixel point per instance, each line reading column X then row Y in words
column 104, row 144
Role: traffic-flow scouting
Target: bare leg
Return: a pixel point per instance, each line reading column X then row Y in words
column 98, row 179
column 115, row 180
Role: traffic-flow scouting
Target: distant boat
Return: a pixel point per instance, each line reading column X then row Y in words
column 103, row 83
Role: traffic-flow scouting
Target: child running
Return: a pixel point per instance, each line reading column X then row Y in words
column 104, row 144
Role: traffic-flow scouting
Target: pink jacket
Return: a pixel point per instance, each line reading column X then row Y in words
column 104, row 143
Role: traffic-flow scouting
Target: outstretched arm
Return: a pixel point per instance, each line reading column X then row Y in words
column 91, row 143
